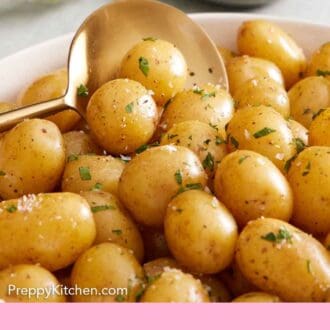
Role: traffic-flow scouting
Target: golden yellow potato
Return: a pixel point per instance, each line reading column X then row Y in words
column 307, row 97
column 92, row 172
column 50, row 87
column 112, row 270
column 251, row 186
column 122, row 116
column 267, row 40
column 282, row 260
column 319, row 64
column 309, row 178
column 49, row 229
column 153, row 269
column 263, row 130
column 215, row 288
column 327, row 242
column 175, row 286
column 319, row 131
column 299, row 132
column 200, row 232
column 158, row 65
column 226, row 54
column 264, row 91
column 257, row 297
column 154, row 177
column 6, row 106
column 113, row 223
column 32, row 158
column 243, row 68
column 28, row 283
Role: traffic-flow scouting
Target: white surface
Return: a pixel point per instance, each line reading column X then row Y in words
column 30, row 24
column 20, row 69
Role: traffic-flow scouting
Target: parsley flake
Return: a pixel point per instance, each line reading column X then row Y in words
column 263, row 132
column 300, row 145
column 178, row 177
column 282, row 235
column 129, row 107
column 72, row 157
column 208, row 162
column 100, row 208
column 2, row 173
column 98, row 186
column 307, row 169
column 241, row 160
column 120, row 298
column 322, row 73
column 308, row 264
column 82, row 90
column 144, row 66
column 234, row 142
column 117, row 231
column 11, row 208
column 149, row 39
column 85, row 174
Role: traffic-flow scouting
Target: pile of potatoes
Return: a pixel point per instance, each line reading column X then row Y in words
column 196, row 195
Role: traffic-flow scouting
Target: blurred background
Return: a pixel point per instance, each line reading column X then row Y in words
column 24, row 23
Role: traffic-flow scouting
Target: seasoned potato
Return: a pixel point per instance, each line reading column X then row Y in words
column 319, row 131
column 158, row 65
column 47, row 88
column 309, row 177
column 267, row 40
column 266, row 92
column 271, row 195
column 200, row 232
column 113, row 223
column 154, row 268
column 154, row 177
column 319, row 64
column 14, row 280
column 49, row 229
column 257, row 297
column 284, row 261
column 6, row 106
column 88, row 172
column 307, row 97
column 112, row 270
column 263, row 130
column 226, row 54
column 215, row 288
column 299, row 132
column 32, row 158
column 175, row 286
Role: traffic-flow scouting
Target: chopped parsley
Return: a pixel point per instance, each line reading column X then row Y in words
column 282, row 235
column 100, row 208
column 178, row 177
column 214, row 126
column 117, row 231
column 144, row 147
column 300, row 145
column 241, row 160
column 85, row 174
column 149, row 39
column 288, row 163
column 234, row 142
column 98, row 186
column 139, row 294
column 219, row 140
column 2, row 173
column 308, row 264
column 120, row 298
column 204, row 95
column 144, row 66
column 190, row 186
column 11, row 208
column 323, row 73
column 82, row 90
column 129, row 107
column 263, row 132
column 307, row 169
column 72, row 157
column 208, row 162
column 151, row 279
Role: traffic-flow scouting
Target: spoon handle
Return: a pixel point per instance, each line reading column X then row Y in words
column 11, row 118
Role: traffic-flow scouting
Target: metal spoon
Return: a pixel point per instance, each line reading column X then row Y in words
column 104, row 38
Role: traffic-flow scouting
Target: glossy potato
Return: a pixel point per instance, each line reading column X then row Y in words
column 153, row 269
column 319, row 64
column 257, row 297
column 319, row 131
column 299, row 131
column 226, row 54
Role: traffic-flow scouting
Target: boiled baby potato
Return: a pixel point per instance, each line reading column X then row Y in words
column 267, row 40
column 200, row 232
column 271, row 195
column 112, row 270
column 92, row 172
column 257, row 297
column 32, row 158
column 50, row 87
column 299, row 132
column 226, row 54
column 307, row 97
column 241, row 69
column 264, row 91
column 113, row 223
column 319, row 64
column 263, row 130
column 153, row 269
column 309, row 178
column 282, row 260
column 215, row 288
column 175, row 286
column 319, row 131
column 158, row 65
column 151, row 179
column 122, row 116
column 49, row 229
column 14, row 280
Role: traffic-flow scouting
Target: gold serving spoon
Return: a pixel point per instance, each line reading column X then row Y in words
column 104, row 38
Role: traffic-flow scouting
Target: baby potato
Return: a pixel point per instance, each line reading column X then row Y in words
column 154, row 177
column 263, row 130
column 257, row 297
column 50, row 87
column 112, row 270
column 319, row 64
column 49, row 229
column 6, row 106
column 215, row 288
column 175, row 286
column 200, row 232
column 271, row 195
column 309, row 178
column 209, row 104
column 113, row 223
column 267, row 40
column 32, row 158
column 264, row 91
column 158, row 65
column 327, row 242
column 206, row 142
column 122, row 116
column 284, row 261
column 307, row 97
column 226, row 54
column 153, row 269
column 299, row 132
column 14, row 280
column 319, row 131
column 92, row 172
column 241, row 69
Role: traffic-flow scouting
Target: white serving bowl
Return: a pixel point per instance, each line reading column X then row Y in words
column 18, row 70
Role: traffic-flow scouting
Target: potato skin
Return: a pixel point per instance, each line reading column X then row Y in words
column 49, row 229
column 319, row 133
column 156, row 267
column 309, row 178
column 257, row 297
column 267, row 40
column 31, row 277
column 6, row 106
column 319, row 64
column 271, row 195
column 226, row 54
column 292, row 265
column 151, row 179
column 216, row 290
column 32, row 158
